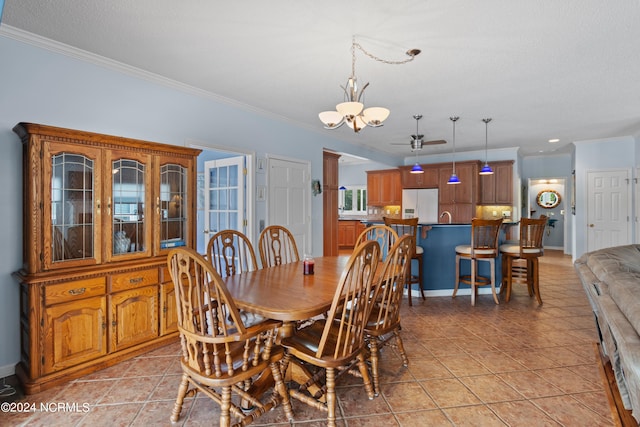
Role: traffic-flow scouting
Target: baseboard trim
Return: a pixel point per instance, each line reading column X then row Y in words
column 7, row 371
column 484, row 290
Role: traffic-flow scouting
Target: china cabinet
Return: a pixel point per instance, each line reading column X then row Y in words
column 100, row 214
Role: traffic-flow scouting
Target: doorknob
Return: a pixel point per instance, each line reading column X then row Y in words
column 591, row 225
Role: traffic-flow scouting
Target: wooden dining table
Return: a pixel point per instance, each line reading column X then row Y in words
column 284, row 293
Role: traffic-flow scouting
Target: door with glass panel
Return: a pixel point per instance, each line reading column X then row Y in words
column 128, row 207
column 72, row 209
column 172, row 203
column 224, row 196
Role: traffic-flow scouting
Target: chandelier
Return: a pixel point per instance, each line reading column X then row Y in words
column 352, row 110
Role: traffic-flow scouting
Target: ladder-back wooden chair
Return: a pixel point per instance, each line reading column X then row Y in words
column 333, row 345
column 220, row 355
column 527, row 250
column 409, row 226
column 383, row 326
column 277, row 246
column 483, row 247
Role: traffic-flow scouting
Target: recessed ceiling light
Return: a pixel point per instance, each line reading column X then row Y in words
column 554, row 140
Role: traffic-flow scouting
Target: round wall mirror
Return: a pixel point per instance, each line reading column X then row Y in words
column 548, row 199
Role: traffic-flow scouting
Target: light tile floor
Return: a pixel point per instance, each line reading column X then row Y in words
column 514, row 364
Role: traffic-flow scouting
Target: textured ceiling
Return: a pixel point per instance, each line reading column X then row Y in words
column 565, row 69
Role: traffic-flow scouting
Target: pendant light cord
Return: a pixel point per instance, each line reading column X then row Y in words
column 454, row 119
column 486, row 139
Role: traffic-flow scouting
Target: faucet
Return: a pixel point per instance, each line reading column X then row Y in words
column 446, row 213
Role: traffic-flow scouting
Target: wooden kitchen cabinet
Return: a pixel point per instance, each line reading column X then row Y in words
column 428, row 179
column 384, row 187
column 458, row 199
column 349, row 230
column 346, row 234
column 101, row 213
column 497, row 188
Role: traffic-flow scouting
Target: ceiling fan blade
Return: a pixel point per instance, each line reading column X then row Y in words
column 435, row 142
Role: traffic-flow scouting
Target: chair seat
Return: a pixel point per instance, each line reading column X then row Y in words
column 376, row 323
column 466, row 250
column 304, row 345
column 419, row 250
column 509, row 248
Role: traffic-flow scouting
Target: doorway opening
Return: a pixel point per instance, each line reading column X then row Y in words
column 225, row 193
column 548, row 196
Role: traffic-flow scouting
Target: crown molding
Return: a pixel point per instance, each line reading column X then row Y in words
column 103, row 62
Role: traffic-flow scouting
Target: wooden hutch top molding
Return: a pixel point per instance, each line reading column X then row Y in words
column 57, row 134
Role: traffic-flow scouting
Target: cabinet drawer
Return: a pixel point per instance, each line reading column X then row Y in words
column 134, row 279
column 78, row 289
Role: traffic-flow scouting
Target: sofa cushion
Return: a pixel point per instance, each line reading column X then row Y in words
column 624, row 288
column 615, row 259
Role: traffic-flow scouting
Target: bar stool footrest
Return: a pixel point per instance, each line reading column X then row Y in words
column 480, row 280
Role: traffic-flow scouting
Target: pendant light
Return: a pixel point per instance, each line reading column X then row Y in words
column 415, row 147
column 453, row 179
column 486, row 169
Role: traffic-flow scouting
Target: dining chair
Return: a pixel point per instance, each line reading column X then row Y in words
column 520, row 259
column 483, row 247
column 409, row 226
column 230, row 252
column 277, row 246
column 383, row 324
column 221, row 356
column 333, row 345
column 383, row 234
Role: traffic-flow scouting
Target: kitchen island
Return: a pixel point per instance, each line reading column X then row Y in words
column 439, row 242
column 439, row 264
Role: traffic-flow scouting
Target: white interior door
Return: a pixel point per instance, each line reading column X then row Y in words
column 607, row 209
column 289, row 200
column 224, row 196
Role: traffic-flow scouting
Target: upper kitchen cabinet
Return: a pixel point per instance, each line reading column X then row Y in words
column 384, row 187
column 427, row 179
column 465, row 192
column 497, row 188
column 458, row 199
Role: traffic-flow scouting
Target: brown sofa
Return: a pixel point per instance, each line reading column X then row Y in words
column 611, row 279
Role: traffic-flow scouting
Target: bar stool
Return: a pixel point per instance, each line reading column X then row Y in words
column 520, row 259
column 483, row 247
column 409, row 226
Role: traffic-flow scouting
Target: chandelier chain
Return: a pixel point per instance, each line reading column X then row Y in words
column 384, row 61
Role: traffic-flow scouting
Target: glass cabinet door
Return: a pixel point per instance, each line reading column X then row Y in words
column 173, row 206
column 128, row 206
column 71, row 213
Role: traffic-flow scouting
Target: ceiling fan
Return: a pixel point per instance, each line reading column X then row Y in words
column 416, row 141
